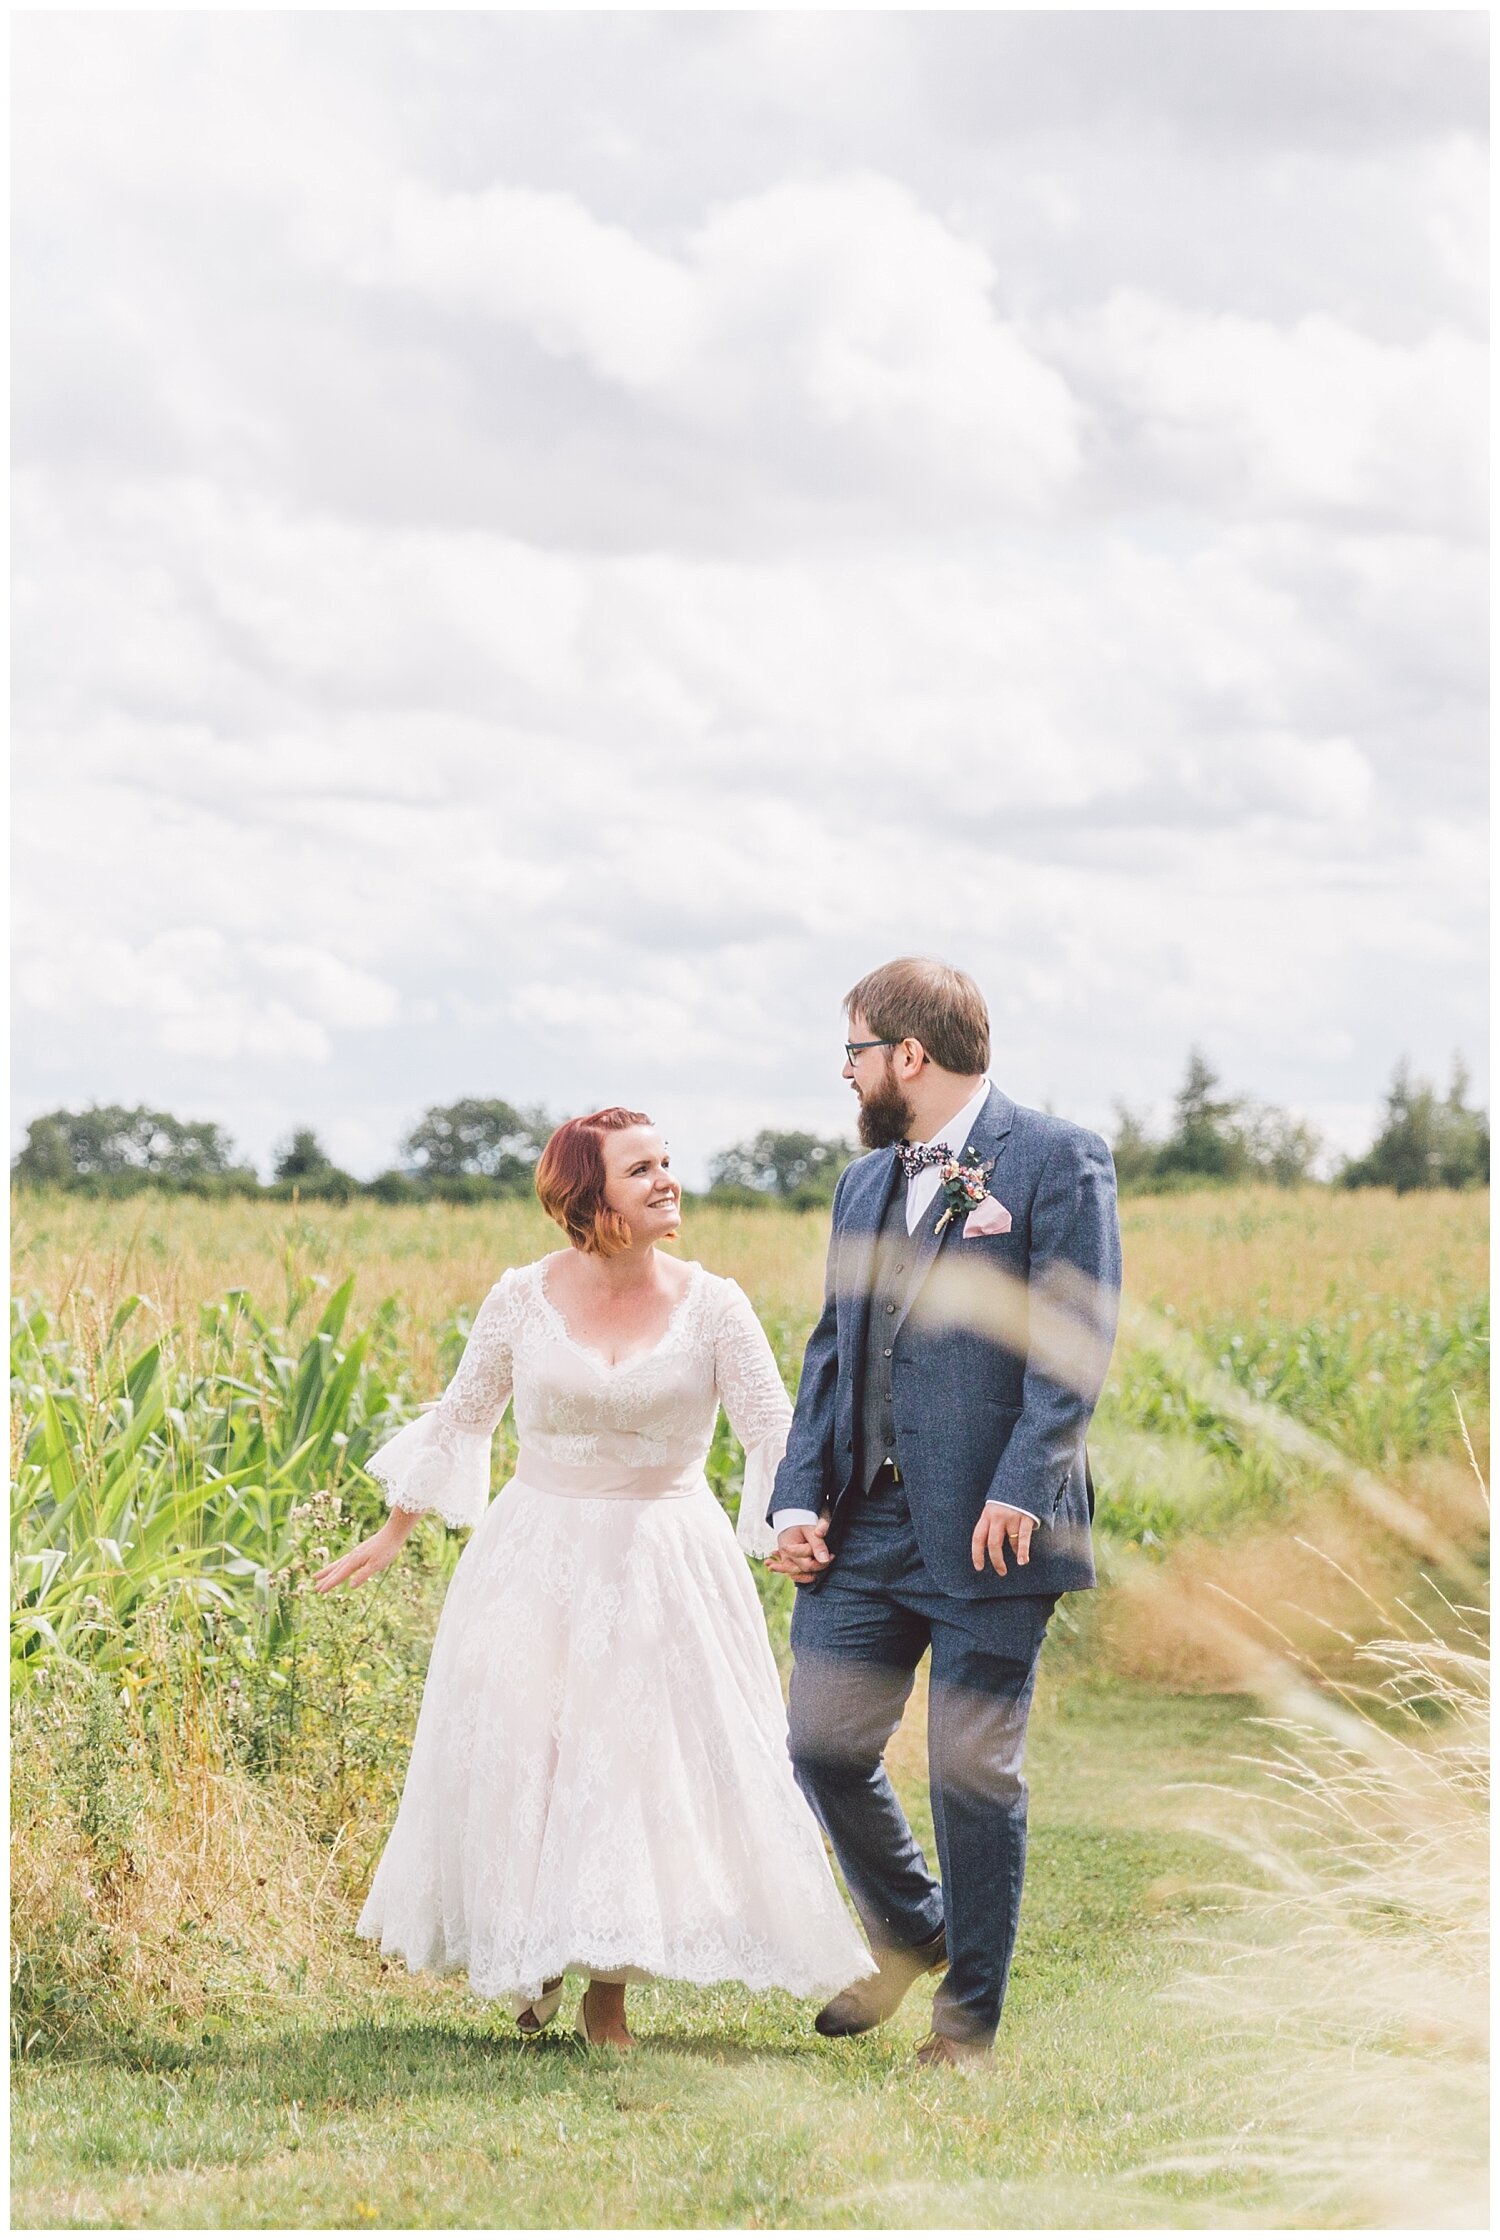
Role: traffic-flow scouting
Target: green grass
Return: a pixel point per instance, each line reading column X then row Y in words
column 395, row 2101
column 207, row 2044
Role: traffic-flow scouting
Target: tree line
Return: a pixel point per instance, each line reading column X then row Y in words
column 1425, row 1141
column 481, row 1147
column 484, row 1147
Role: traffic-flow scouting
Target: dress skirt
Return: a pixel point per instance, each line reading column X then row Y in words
column 599, row 1781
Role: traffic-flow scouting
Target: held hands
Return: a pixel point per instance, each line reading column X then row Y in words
column 801, row 1552
column 367, row 1561
column 997, row 1525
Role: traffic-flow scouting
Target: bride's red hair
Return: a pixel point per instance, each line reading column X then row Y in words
column 570, row 1180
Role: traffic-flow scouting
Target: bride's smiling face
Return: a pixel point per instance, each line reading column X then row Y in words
column 639, row 1184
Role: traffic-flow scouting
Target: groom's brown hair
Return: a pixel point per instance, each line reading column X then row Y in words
column 938, row 1006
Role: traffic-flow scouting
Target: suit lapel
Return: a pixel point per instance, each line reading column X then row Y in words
column 988, row 1136
column 861, row 1226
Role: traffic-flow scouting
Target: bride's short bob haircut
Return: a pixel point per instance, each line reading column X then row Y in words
column 570, row 1180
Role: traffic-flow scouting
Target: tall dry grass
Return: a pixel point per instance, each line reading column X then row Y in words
column 155, row 1883
column 1354, row 1959
column 1299, row 1253
column 1205, row 1257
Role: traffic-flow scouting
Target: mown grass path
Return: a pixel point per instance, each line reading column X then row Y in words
column 400, row 2103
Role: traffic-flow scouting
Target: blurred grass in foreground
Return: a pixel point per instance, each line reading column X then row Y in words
column 1358, row 1949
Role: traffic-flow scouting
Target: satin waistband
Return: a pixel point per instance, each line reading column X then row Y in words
column 607, row 1481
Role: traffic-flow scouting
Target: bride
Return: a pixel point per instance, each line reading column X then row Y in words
column 599, row 1782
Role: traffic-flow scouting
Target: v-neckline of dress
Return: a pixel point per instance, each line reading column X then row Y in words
column 592, row 1353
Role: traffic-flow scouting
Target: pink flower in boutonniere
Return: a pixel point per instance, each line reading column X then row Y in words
column 964, row 1186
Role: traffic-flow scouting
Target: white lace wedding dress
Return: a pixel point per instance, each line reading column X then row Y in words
column 599, row 1780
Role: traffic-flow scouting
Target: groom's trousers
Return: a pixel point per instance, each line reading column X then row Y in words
column 858, row 1637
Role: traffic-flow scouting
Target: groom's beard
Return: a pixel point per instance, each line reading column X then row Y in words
column 884, row 1114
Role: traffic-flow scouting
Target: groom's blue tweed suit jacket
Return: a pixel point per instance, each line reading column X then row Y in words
column 993, row 1392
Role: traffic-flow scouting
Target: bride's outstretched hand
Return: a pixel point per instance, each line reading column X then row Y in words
column 365, row 1562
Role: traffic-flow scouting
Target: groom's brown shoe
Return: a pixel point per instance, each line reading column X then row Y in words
column 875, row 2000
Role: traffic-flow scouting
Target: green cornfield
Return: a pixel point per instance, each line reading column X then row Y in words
column 168, row 1432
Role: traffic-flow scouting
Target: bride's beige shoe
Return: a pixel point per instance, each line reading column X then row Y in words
column 536, row 2017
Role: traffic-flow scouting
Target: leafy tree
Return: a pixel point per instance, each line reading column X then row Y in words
column 393, row 1188
column 1135, row 1150
column 109, row 1142
column 1205, row 1139
column 1425, row 1143
column 47, row 1155
column 302, row 1165
column 480, row 1136
column 1213, row 1139
column 789, row 1164
column 1464, row 1135
column 473, row 1189
column 301, row 1158
column 1277, row 1146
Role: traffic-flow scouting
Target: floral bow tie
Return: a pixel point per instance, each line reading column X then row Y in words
column 915, row 1156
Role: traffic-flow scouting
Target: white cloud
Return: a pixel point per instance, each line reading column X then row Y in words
column 582, row 288
column 326, row 986
column 543, row 548
column 842, row 302
column 1312, row 417
column 193, row 993
column 327, row 673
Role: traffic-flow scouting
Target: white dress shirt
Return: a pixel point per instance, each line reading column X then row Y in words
column 920, row 1193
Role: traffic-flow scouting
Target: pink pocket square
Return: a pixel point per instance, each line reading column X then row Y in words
column 989, row 1219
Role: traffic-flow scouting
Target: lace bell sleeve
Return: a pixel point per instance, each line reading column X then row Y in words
column 759, row 1411
column 440, row 1462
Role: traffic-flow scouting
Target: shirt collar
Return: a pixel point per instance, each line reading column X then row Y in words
column 959, row 1129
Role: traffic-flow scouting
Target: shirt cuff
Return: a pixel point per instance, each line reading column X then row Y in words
column 1020, row 1512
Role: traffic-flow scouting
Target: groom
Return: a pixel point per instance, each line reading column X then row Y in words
column 935, row 1493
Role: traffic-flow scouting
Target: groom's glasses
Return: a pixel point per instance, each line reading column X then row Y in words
column 881, row 1042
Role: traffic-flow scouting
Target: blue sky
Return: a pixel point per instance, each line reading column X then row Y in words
column 545, row 545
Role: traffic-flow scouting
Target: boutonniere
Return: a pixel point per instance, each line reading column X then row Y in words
column 965, row 1184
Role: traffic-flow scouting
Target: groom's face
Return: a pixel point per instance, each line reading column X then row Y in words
column 885, row 1113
